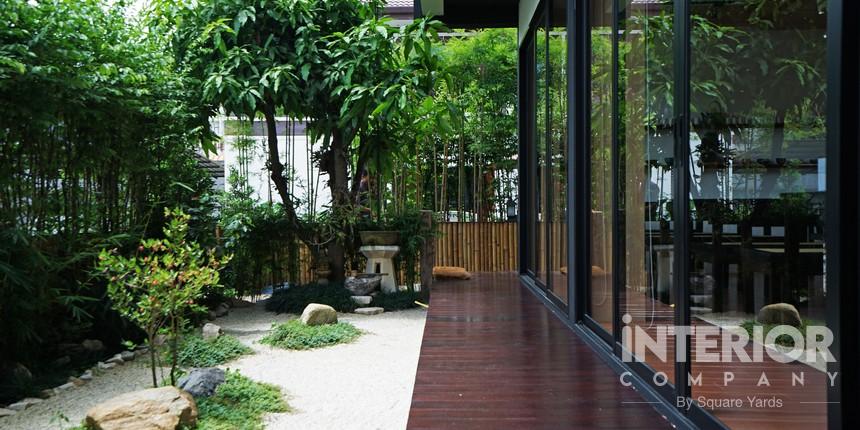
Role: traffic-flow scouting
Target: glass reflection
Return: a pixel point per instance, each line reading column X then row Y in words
column 600, row 288
column 646, row 59
column 758, row 163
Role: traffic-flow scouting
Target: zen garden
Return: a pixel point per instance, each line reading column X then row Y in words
column 223, row 214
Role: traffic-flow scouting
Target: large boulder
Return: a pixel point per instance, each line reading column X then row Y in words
column 362, row 285
column 165, row 408
column 317, row 314
column 202, row 382
column 779, row 313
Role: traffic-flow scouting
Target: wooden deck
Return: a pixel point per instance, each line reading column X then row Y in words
column 494, row 357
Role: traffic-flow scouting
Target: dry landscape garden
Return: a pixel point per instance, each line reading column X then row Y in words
column 135, row 293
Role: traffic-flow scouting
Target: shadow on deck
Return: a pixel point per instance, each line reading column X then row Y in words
column 494, row 357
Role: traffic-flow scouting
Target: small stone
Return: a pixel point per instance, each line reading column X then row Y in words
column 62, row 361
column 47, row 393
column 369, row 311
column 93, row 345
column 86, row 376
column 116, row 359
column 317, row 314
column 141, row 351
column 211, row 331
column 127, row 355
column 24, row 404
column 77, row 381
column 362, row 300
column 64, row 387
column 106, row 366
column 6, row 412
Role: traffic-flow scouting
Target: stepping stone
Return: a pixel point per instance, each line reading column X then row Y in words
column 24, row 404
column 362, row 300
column 369, row 311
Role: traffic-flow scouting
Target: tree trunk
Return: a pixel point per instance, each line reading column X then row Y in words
column 338, row 179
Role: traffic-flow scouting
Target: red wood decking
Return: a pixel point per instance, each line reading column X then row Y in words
column 494, row 357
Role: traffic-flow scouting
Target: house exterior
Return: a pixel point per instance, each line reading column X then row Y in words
column 688, row 171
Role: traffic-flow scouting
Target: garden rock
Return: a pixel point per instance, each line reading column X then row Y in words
column 211, row 331
column 165, row 408
column 362, row 285
column 20, row 372
column 202, row 382
column 779, row 313
column 24, row 404
column 47, row 393
column 106, row 366
column 86, row 376
column 64, row 387
column 362, row 300
column 222, row 310
column 116, row 359
column 369, row 311
column 317, row 314
column 211, row 316
column 77, row 381
column 62, row 361
column 93, row 345
column 127, row 355
column 6, row 412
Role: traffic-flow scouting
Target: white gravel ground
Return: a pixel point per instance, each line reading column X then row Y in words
column 366, row 384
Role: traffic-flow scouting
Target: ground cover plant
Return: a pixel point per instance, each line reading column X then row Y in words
column 295, row 335
column 294, row 299
column 194, row 351
column 239, row 403
column 781, row 340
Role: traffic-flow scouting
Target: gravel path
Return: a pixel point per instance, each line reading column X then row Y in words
column 68, row 408
column 366, row 384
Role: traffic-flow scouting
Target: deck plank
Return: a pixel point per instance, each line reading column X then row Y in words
column 494, row 357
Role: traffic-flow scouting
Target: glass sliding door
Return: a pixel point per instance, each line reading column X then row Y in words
column 558, row 137
column 757, row 192
column 645, row 138
column 600, row 296
column 542, row 171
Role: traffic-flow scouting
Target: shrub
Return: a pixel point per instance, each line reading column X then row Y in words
column 159, row 286
column 294, row 299
column 781, row 340
column 239, row 403
column 399, row 300
column 295, row 335
column 194, row 351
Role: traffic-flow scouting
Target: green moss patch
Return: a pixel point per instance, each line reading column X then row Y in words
column 194, row 351
column 239, row 403
column 295, row 335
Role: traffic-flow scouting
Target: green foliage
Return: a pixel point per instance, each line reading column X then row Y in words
column 159, row 286
column 295, row 335
column 96, row 138
column 400, row 300
column 239, row 403
column 781, row 340
column 194, row 351
column 293, row 300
